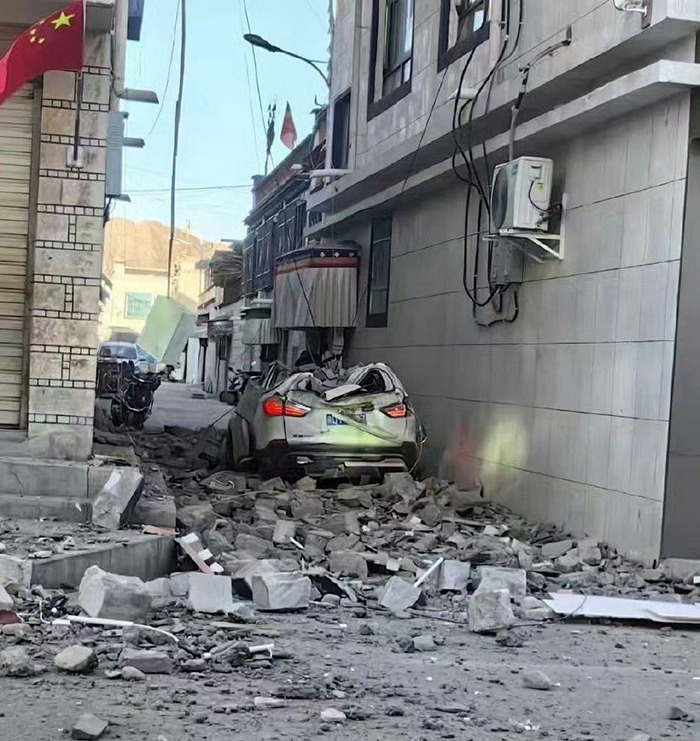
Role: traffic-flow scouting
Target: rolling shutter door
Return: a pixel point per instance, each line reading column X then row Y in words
column 16, row 127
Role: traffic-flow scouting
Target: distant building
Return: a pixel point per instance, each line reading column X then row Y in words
column 136, row 264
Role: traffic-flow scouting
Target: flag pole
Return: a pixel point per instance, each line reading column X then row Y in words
column 176, row 139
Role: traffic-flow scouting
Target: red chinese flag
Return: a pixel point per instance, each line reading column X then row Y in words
column 56, row 42
column 288, row 135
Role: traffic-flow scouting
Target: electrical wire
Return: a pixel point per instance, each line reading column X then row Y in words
column 167, row 79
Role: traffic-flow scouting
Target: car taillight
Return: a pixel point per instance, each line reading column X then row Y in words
column 276, row 406
column 396, row 411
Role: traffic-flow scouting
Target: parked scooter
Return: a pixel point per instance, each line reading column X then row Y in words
column 133, row 402
column 237, row 386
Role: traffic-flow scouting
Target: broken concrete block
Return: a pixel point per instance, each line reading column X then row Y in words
column 342, row 543
column 531, row 608
column 555, row 550
column 454, row 576
column 114, row 503
column 589, row 552
column 399, row 595
column 89, row 727
column 242, row 571
column 14, row 571
column 180, row 583
column 6, row 601
column 331, row 715
column 306, row 484
column 16, row 662
column 284, row 530
column 401, row 485
column 463, row 501
column 680, row 569
column 490, row 612
column 104, row 595
column 161, row 592
column 76, row 659
column 196, row 517
column 307, row 507
column 151, row 661
column 281, row 591
column 569, row 562
column 534, row 679
column 157, row 510
column 641, row 737
column 210, row 594
column 424, row 643
column 251, row 545
column 494, row 578
column 132, row 674
column 348, row 563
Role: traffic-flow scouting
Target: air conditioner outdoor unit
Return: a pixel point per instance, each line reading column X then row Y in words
column 520, row 196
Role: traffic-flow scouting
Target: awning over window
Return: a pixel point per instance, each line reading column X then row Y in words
column 316, row 287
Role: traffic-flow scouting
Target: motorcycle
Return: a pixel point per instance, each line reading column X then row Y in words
column 237, row 385
column 133, row 402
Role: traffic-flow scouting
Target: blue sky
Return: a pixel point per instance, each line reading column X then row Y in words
column 218, row 130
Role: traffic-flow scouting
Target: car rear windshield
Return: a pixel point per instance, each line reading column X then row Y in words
column 124, row 352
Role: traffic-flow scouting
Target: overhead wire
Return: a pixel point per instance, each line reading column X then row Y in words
column 167, row 79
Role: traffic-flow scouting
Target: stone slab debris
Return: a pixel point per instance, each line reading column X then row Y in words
column 16, row 662
column 263, row 703
column 274, row 592
column 399, row 595
column 161, row 591
column 307, row 507
column 641, row 737
column 114, row 503
column 494, row 578
column 490, row 612
column 678, row 713
column 242, row 571
column 557, row 549
column 14, row 571
column 284, row 530
column 76, row 660
column 251, row 545
column 196, row 517
column 454, row 576
column 424, row 643
column 680, row 569
column 534, row 679
column 348, row 563
column 105, row 595
column 306, row 484
column 88, row 727
column 210, row 594
column 332, row 715
column 149, row 661
column 157, row 511
column 132, row 674
column 6, row 601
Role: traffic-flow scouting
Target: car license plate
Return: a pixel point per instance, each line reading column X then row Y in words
column 332, row 421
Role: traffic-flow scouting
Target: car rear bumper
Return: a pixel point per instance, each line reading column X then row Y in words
column 323, row 461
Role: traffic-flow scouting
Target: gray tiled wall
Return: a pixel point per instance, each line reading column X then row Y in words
column 563, row 414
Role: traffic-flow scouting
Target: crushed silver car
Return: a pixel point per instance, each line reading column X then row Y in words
column 307, row 423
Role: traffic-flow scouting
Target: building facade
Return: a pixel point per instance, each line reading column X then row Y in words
column 52, row 212
column 568, row 389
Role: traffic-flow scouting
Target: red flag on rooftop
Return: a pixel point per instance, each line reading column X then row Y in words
column 288, row 135
column 55, row 42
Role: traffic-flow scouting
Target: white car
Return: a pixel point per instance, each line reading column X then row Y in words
column 292, row 426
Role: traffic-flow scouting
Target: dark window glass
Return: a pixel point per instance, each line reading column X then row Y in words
column 379, row 273
column 463, row 26
column 398, row 44
column 340, row 153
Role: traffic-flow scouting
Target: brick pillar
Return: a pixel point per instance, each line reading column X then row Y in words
column 68, row 239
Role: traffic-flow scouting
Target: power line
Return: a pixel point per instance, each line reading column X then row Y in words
column 167, row 79
column 255, row 67
column 190, row 190
column 176, row 139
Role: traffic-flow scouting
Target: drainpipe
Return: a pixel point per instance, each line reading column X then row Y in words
column 121, row 24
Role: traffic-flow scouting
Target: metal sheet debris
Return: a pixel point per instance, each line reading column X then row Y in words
column 618, row 608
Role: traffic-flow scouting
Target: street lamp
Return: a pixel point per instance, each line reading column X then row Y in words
column 255, row 40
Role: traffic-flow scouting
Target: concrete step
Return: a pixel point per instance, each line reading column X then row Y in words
column 33, row 488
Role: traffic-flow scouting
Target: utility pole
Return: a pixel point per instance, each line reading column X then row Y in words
column 176, row 140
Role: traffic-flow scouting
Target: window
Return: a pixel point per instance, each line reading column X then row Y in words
column 464, row 24
column 379, row 272
column 138, row 305
column 398, row 45
column 391, row 54
column 340, row 152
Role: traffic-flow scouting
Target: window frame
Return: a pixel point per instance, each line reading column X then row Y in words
column 342, row 103
column 447, row 55
column 383, row 103
column 379, row 318
column 142, row 294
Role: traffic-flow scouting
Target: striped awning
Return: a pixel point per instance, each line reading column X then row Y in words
column 316, row 287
